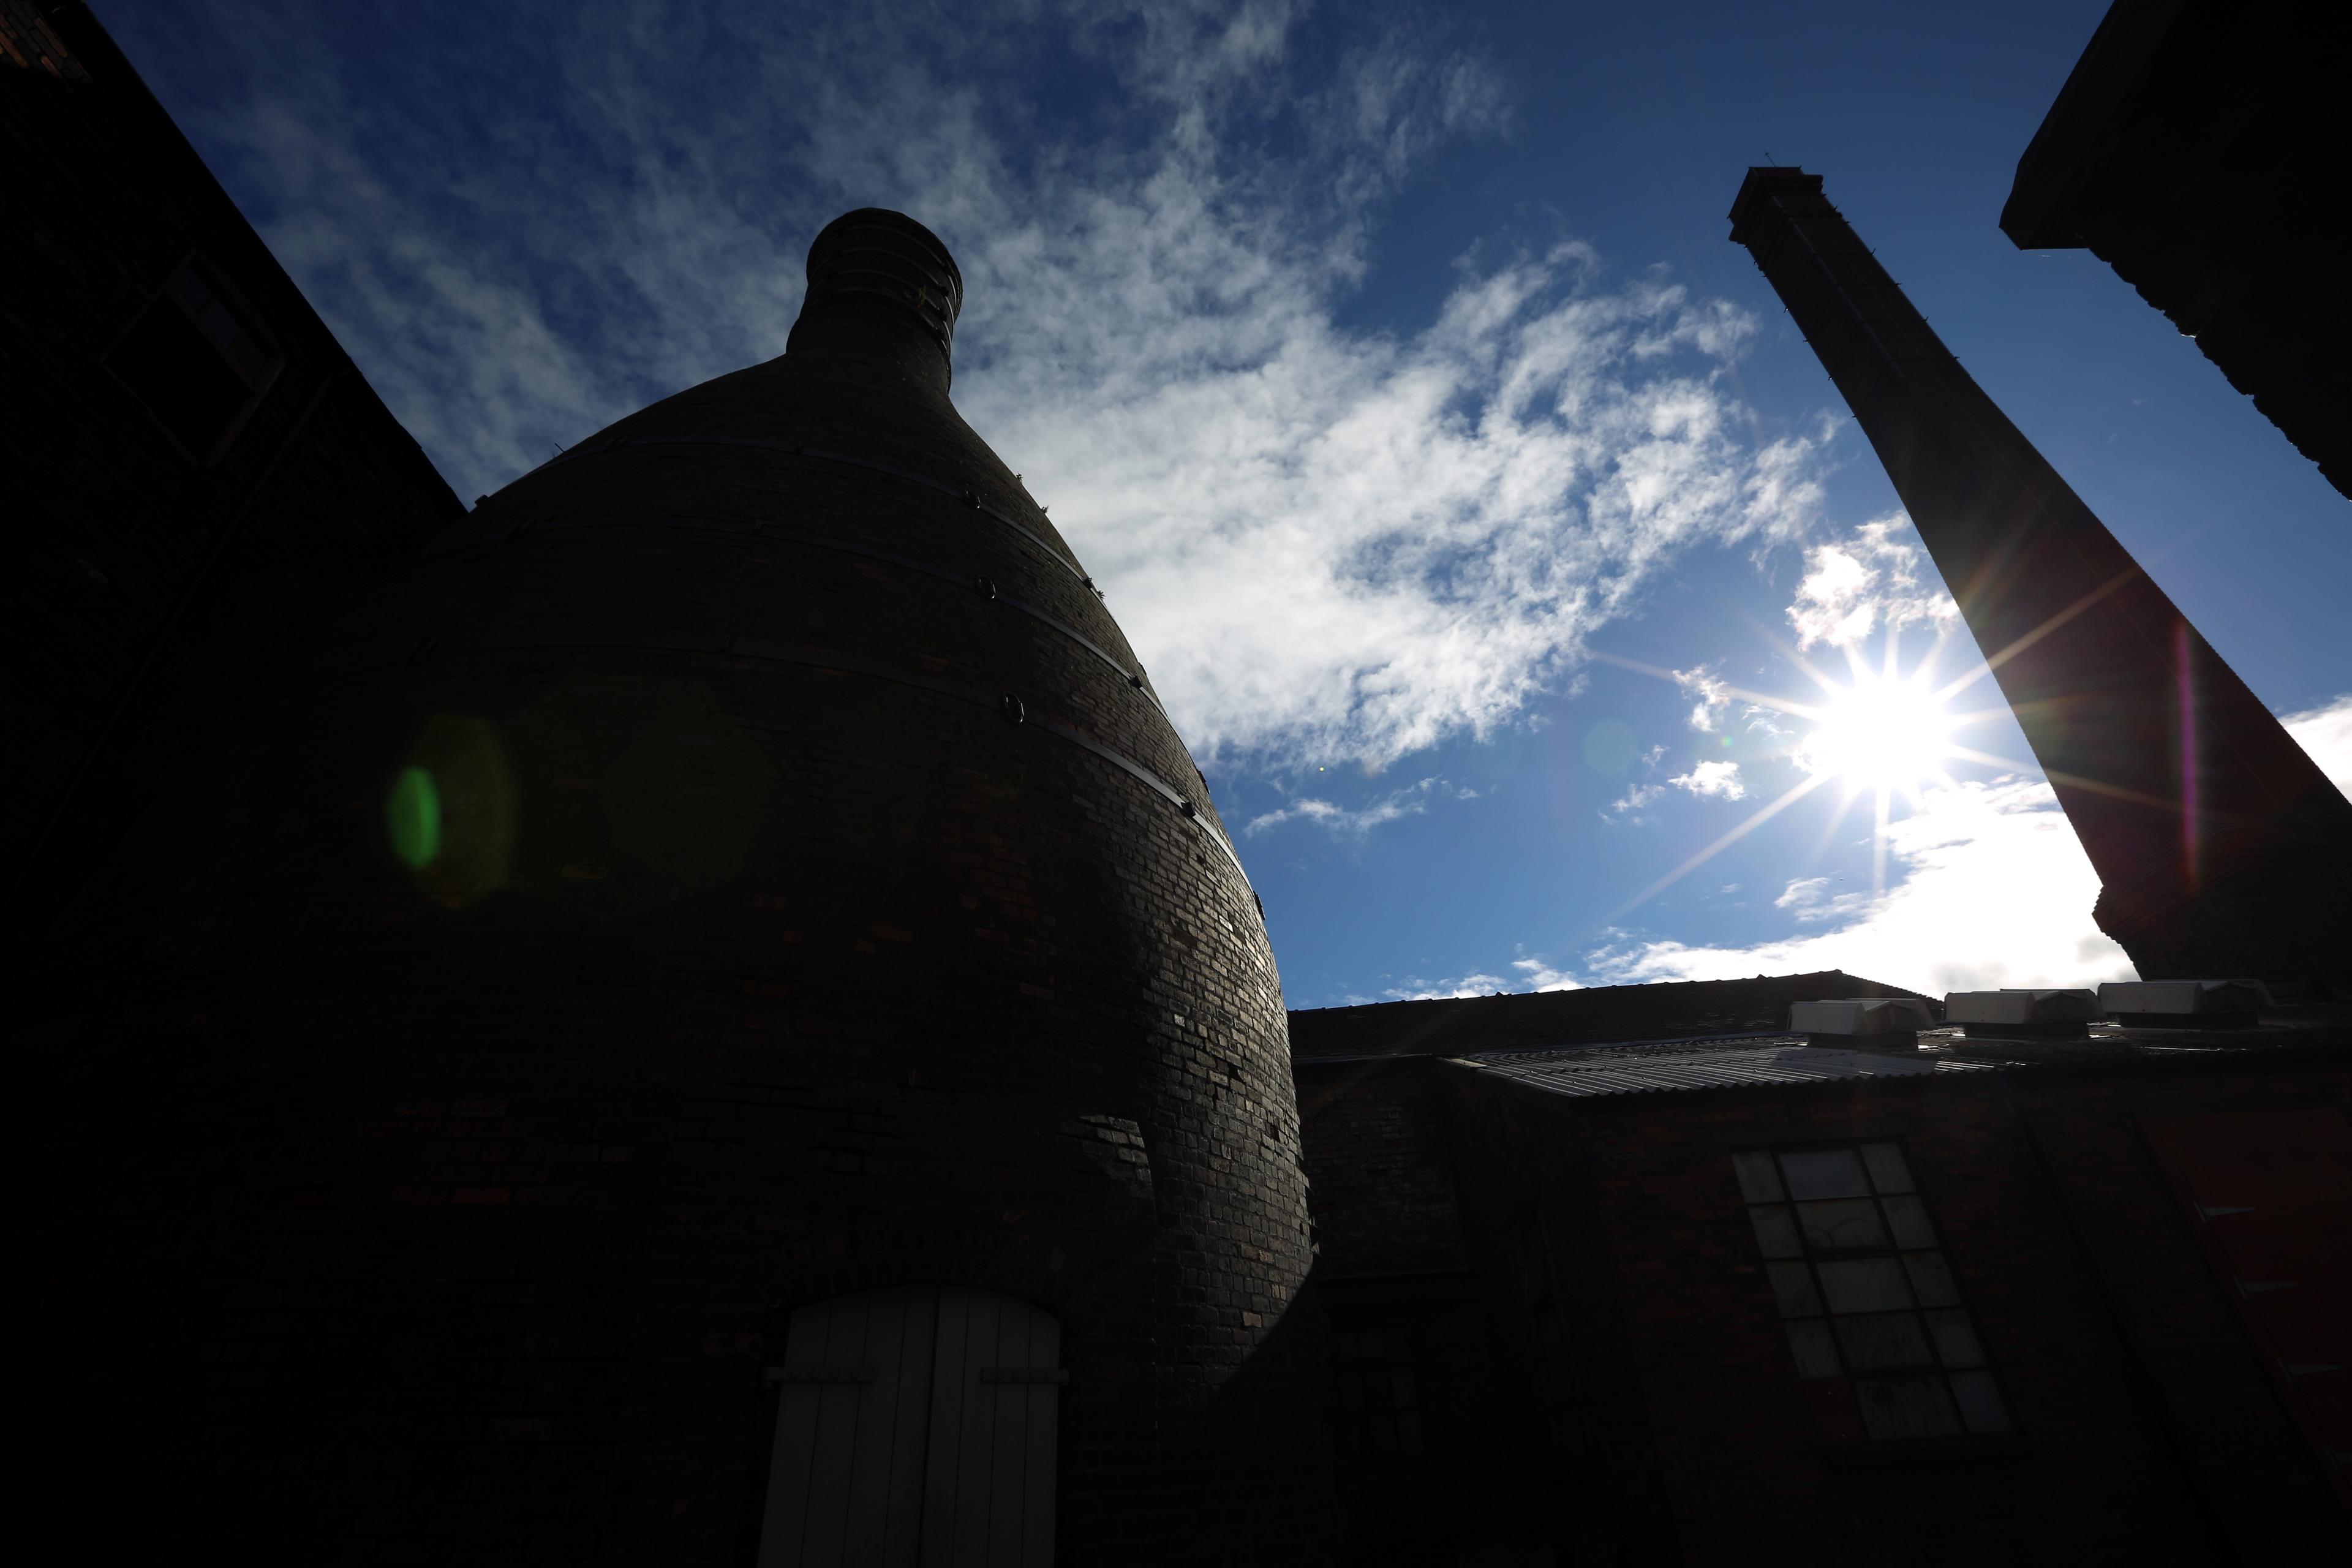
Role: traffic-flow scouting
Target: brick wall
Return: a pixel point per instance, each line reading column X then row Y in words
column 1376, row 1146
column 1391, row 1260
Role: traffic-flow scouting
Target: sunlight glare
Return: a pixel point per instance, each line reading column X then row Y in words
column 1879, row 733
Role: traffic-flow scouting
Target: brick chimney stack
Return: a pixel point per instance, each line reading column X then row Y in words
column 2222, row 848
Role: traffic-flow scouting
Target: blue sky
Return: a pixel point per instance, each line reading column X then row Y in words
column 1391, row 368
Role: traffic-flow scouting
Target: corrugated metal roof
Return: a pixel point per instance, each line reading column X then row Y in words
column 1785, row 1061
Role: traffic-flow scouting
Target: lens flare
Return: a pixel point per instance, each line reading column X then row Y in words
column 412, row 814
column 450, row 810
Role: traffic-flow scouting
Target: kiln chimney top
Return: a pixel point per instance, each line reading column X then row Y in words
column 875, row 261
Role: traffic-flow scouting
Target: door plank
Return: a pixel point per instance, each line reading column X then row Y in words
column 785, row 1517
column 951, row 1371
column 975, row 1433
column 824, row 1538
column 910, row 1420
column 866, row 1492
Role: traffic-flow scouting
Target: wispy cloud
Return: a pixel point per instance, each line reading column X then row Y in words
column 1355, row 822
column 1706, row 683
column 1878, row 578
column 1628, row 807
column 1536, row 975
column 1717, row 779
column 1326, row 543
column 1528, row 974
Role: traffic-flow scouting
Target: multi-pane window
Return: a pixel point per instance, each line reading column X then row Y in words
column 195, row 360
column 1375, row 1403
column 1874, row 1317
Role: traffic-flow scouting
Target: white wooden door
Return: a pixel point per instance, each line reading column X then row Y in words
column 915, row 1428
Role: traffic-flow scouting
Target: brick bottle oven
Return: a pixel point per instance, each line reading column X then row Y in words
column 727, row 934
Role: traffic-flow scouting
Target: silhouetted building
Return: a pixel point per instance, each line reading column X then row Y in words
column 706, row 1016
column 2221, row 847
column 2196, row 149
column 196, row 476
column 1737, row 1298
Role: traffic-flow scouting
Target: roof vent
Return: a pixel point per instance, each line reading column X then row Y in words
column 2185, row 1003
column 2009, row 1013
column 1862, row 1023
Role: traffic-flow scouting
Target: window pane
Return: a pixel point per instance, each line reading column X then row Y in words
column 1400, row 1390
column 189, row 289
column 1825, row 1174
column 1883, row 1341
column 1841, row 1224
column 1932, row 1279
column 1400, row 1346
column 1888, row 1174
column 1898, row 1408
column 1955, row 1338
column 1909, row 1216
column 1409, row 1434
column 1979, row 1400
column 1775, row 1233
column 250, row 361
column 1792, row 1286
column 1758, row 1182
column 1816, row 1351
column 217, row 323
column 1864, row 1285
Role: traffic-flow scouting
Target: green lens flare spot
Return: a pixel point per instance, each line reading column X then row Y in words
column 412, row 813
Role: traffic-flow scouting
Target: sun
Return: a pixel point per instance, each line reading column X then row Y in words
column 1881, row 732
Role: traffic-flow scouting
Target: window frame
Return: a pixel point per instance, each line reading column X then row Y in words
column 251, row 328
column 1886, row 1344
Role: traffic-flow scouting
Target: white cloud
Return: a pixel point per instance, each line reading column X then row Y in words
column 1719, row 779
column 2325, row 732
column 1628, row 806
column 1415, row 989
column 1326, row 542
column 1994, row 890
column 1532, row 975
column 1536, row 975
column 1410, row 801
column 1877, row 578
column 1714, row 697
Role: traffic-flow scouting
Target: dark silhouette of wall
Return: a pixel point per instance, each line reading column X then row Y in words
column 2220, row 847
column 1570, row 1284
column 2146, row 1428
column 195, row 474
column 2196, row 149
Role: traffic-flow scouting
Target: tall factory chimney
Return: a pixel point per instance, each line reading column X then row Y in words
column 2220, row 847
column 714, row 1020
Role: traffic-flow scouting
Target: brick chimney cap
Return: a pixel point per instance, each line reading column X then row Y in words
column 874, row 253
